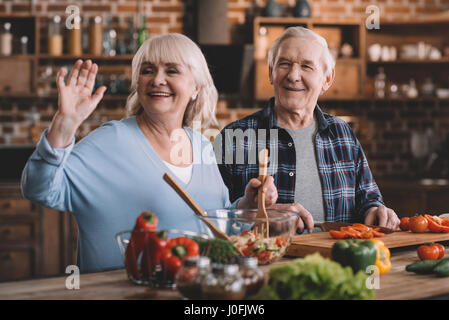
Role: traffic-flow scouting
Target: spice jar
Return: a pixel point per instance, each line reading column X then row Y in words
column 253, row 276
column 96, row 36
column 223, row 283
column 55, row 37
column 6, row 40
column 75, row 38
column 189, row 278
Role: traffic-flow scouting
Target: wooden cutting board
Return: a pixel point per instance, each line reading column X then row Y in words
column 322, row 242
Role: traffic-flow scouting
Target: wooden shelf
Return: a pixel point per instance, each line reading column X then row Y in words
column 124, row 57
column 413, row 61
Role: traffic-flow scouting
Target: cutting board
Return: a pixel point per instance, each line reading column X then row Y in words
column 322, row 242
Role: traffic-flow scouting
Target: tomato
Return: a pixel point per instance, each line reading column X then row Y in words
column 428, row 252
column 418, row 224
column 441, row 250
column 404, row 225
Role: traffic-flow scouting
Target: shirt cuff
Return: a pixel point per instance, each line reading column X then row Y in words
column 234, row 204
column 54, row 156
column 368, row 206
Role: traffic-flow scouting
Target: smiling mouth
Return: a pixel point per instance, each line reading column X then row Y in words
column 294, row 90
column 159, row 94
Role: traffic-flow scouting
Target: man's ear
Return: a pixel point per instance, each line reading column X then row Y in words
column 328, row 81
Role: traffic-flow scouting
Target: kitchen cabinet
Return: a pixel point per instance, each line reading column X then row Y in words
column 34, row 241
column 355, row 74
column 408, row 198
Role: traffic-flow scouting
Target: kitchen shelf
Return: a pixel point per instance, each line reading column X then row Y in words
column 412, row 61
column 124, row 57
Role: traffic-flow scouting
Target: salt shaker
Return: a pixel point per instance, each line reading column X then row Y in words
column 189, row 278
column 252, row 275
column 223, row 283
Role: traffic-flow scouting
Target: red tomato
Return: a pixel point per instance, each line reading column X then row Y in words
column 418, row 224
column 441, row 250
column 404, row 225
column 428, row 252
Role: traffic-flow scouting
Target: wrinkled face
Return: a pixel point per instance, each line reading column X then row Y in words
column 298, row 74
column 165, row 88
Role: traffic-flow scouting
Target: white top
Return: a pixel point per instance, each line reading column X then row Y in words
column 183, row 173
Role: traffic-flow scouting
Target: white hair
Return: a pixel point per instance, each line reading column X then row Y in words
column 177, row 48
column 304, row 33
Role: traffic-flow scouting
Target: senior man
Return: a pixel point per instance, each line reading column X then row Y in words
column 318, row 164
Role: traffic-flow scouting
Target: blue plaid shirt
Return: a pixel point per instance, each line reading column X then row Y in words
column 348, row 185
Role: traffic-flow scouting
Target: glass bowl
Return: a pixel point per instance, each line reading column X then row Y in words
column 137, row 258
column 239, row 224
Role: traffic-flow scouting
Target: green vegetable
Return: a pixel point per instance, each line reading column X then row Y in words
column 442, row 268
column 422, row 267
column 314, row 277
column 218, row 250
column 358, row 254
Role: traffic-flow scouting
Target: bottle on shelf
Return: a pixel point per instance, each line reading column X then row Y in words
column 6, row 40
column 55, row 41
column 109, row 38
column 96, row 36
column 132, row 37
column 24, row 45
column 75, row 47
column 379, row 83
column 143, row 32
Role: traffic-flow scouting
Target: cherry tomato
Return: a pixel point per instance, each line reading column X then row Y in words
column 418, row 224
column 404, row 225
column 428, row 252
column 441, row 249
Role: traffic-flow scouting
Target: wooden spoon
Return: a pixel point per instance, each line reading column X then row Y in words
column 262, row 227
column 195, row 207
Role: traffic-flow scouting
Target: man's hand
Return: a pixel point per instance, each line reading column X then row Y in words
column 250, row 199
column 385, row 216
column 306, row 218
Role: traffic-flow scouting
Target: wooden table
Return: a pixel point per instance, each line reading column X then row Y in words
column 397, row 284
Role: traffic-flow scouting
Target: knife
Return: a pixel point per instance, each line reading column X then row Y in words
column 329, row 225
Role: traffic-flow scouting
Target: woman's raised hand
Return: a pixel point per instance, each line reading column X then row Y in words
column 75, row 98
column 75, row 102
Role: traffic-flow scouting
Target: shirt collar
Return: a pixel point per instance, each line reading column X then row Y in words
column 271, row 122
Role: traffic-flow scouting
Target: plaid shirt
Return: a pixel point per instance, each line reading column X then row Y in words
column 348, row 186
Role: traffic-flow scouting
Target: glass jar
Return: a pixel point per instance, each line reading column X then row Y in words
column 55, row 37
column 223, row 283
column 189, row 277
column 6, row 40
column 253, row 276
column 379, row 83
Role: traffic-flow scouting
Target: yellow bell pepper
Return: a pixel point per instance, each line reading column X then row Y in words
column 383, row 262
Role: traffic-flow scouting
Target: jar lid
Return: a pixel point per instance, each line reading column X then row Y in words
column 228, row 269
column 248, row 262
column 197, row 262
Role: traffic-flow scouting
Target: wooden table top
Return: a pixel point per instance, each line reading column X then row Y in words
column 397, row 284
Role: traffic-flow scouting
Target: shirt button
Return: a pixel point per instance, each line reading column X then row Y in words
column 290, row 144
column 291, row 174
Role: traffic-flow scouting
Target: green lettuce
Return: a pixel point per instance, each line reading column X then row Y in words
column 314, row 278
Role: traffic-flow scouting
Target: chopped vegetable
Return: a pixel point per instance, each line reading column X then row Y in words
column 266, row 250
column 436, row 224
column 312, row 278
column 218, row 250
column 356, row 231
column 383, row 262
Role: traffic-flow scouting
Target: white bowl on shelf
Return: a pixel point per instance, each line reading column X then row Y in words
column 442, row 93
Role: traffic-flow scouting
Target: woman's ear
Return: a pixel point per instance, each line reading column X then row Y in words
column 328, row 81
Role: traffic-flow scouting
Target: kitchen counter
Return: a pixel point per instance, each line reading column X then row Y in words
column 397, row 284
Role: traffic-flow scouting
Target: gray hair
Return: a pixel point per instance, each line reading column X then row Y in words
column 177, row 48
column 301, row 32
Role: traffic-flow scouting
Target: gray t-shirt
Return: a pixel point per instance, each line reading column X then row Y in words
column 308, row 191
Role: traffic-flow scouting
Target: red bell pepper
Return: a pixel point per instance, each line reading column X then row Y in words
column 175, row 252
column 152, row 252
column 436, row 224
column 145, row 222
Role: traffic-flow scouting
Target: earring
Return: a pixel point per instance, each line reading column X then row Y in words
column 193, row 97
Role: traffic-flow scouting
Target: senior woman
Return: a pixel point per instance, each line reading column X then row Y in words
column 319, row 166
column 115, row 173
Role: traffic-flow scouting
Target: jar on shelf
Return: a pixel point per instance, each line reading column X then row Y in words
column 379, row 83
column 55, row 41
column 96, row 36
column 6, row 40
column 253, row 276
column 223, row 283
column 189, row 278
column 75, row 46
